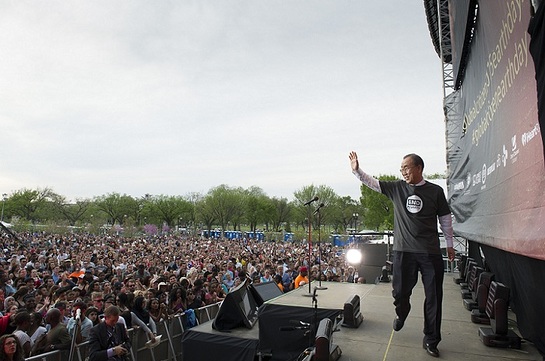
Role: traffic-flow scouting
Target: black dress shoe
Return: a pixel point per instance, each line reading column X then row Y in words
column 431, row 350
column 398, row 324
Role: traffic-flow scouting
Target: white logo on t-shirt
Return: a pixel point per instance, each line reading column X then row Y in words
column 414, row 204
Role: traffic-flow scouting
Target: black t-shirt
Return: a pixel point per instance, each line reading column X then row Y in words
column 416, row 209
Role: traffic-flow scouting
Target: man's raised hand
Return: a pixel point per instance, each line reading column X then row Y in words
column 354, row 160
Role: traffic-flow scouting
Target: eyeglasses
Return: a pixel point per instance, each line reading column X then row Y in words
column 10, row 343
column 406, row 169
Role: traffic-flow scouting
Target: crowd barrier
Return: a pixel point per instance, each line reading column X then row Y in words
column 169, row 347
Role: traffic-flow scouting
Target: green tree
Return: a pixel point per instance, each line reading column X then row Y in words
column 204, row 209
column 193, row 198
column 378, row 210
column 222, row 205
column 257, row 207
column 95, row 218
column 435, row 176
column 282, row 212
column 170, row 209
column 72, row 212
column 326, row 196
column 117, row 207
column 343, row 211
column 237, row 211
column 26, row 203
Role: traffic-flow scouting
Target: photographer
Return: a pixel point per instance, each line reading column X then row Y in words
column 108, row 341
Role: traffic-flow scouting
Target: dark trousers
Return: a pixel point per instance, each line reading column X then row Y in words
column 406, row 266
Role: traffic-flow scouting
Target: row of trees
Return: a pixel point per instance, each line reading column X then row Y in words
column 224, row 207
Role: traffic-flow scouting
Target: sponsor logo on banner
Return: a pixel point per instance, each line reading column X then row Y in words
column 514, row 149
column 528, row 136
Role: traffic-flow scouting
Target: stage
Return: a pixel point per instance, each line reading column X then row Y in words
column 373, row 340
column 266, row 337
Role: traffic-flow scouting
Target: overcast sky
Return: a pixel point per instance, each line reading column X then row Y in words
column 172, row 97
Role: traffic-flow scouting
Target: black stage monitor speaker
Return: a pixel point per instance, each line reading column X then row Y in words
column 325, row 349
column 374, row 254
column 352, row 316
column 265, row 291
column 239, row 308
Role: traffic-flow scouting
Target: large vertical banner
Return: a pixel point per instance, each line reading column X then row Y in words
column 497, row 176
column 462, row 11
column 537, row 49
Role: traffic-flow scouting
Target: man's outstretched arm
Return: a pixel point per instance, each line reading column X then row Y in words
column 365, row 178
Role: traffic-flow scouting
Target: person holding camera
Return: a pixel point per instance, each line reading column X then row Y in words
column 109, row 341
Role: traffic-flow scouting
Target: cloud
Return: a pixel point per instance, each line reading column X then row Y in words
column 177, row 97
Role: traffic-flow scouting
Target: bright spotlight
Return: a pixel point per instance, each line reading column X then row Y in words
column 353, row 256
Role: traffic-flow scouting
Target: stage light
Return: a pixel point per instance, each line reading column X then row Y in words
column 384, row 277
column 353, row 256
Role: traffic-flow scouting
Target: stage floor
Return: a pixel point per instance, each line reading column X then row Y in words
column 333, row 297
column 375, row 340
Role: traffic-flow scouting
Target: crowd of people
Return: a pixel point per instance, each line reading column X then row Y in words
column 48, row 281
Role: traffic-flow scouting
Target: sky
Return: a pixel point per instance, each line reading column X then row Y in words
column 176, row 97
